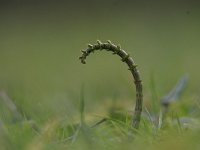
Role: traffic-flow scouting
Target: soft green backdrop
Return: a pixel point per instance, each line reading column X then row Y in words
column 40, row 43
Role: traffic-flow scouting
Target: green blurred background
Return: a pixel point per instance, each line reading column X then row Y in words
column 40, row 42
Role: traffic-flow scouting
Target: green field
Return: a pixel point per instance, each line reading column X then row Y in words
column 41, row 74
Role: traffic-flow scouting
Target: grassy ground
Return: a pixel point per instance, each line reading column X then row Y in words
column 41, row 74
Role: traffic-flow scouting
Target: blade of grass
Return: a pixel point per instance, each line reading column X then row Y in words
column 82, row 105
column 154, row 95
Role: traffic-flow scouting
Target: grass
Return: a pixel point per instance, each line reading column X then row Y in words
column 178, row 129
column 40, row 73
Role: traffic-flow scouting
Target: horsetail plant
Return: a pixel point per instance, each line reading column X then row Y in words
column 109, row 46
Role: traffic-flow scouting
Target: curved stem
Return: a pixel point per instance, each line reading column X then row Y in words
column 132, row 67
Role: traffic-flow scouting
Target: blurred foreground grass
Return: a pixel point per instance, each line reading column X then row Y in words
column 40, row 71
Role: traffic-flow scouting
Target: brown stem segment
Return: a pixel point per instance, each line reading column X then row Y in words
column 132, row 67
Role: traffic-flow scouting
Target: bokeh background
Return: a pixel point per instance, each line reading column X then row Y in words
column 40, row 42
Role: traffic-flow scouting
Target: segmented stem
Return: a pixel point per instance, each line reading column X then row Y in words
column 109, row 46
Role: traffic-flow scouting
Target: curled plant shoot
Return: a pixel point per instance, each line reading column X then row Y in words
column 109, row 46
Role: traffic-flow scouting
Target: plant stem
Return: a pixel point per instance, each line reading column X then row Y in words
column 132, row 67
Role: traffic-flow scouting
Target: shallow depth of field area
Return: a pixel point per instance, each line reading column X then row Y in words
column 49, row 100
